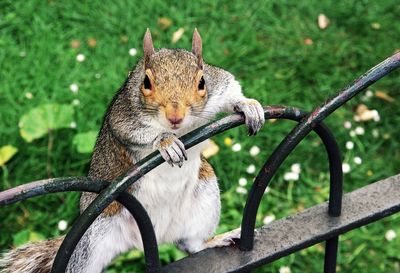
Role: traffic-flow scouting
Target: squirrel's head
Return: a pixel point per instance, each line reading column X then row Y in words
column 173, row 87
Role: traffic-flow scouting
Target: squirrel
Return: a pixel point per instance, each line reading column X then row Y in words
column 169, row 93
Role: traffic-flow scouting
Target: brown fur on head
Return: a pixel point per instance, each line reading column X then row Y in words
column 173, row 82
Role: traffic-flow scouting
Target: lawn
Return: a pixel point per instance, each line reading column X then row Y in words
column 77, row 55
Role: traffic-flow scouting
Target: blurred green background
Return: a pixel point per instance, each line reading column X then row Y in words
column 72, row 56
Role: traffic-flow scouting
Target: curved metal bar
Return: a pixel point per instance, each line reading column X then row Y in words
column 335, row 189
column 296, row 135
column 138, row 212
column 52, row 185
column 152, row 161
column 150, row 246
column 335, row 164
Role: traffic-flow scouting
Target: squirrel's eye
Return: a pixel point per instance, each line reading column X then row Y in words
column 201, row 84
column 146, row 83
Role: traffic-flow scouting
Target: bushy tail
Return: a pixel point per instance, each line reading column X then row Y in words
column 31, row 258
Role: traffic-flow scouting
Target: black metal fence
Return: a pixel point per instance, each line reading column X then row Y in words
column 108, row 192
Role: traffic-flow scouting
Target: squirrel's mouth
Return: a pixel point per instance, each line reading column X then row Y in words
column 175, row 126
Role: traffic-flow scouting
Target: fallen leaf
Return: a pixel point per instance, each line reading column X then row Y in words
column 211, row 149
column 75, row 43
column 365, row 114
column 91, row 42
column 177, row 35
column 164, row 22
column 38, row 121
column 384, row 96
column 308, row 41
column 323, row 21
column 6, row 153
column 361, row 109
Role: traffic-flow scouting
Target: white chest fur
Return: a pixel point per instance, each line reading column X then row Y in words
column 166, row 192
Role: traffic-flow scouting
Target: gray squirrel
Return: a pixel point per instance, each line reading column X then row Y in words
column 169, row 93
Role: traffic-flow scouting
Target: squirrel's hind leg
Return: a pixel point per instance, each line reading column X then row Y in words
column 202, row 214
column 107, row 237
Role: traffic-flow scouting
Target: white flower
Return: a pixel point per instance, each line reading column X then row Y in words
column 375, row 133
column 390, row 235
column 347, row 124
column 236, row 147
column 241, row 190
column 62, row 225
column 132, row 51
column 346, row 168
column 251, row 169
column 28, row 95
column 285, row 269
column 72, row 125
column 76, row 102
column 349, row 145
column 97, row 75
column 375, row 115
column 352, row 133
column 295, row 168
column 323, row 21
column 291, row 176
column 369, row 93
column 357, row 160
column 268, row 219
column 74, row 88
column 80, row 57
column 242, row 181
column 254, row 151
column 359, row 130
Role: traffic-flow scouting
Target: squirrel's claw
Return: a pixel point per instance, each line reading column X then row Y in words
column 253, row 113
column 171, row 149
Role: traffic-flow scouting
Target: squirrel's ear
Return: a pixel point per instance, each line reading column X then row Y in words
column 148, row 47
column 197, row 48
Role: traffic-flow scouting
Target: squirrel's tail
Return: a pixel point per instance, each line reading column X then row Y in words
column 31, row 258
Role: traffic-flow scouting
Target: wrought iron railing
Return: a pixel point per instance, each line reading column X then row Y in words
column 108, row 192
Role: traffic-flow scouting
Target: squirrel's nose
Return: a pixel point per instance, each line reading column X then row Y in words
column 175, row 120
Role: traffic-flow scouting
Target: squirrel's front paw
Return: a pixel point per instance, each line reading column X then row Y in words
column 171, row 149
column 253, row 113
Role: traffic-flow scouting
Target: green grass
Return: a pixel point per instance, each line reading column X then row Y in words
column 262, row 43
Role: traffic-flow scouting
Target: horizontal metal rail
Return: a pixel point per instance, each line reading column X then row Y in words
column 293, row 233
